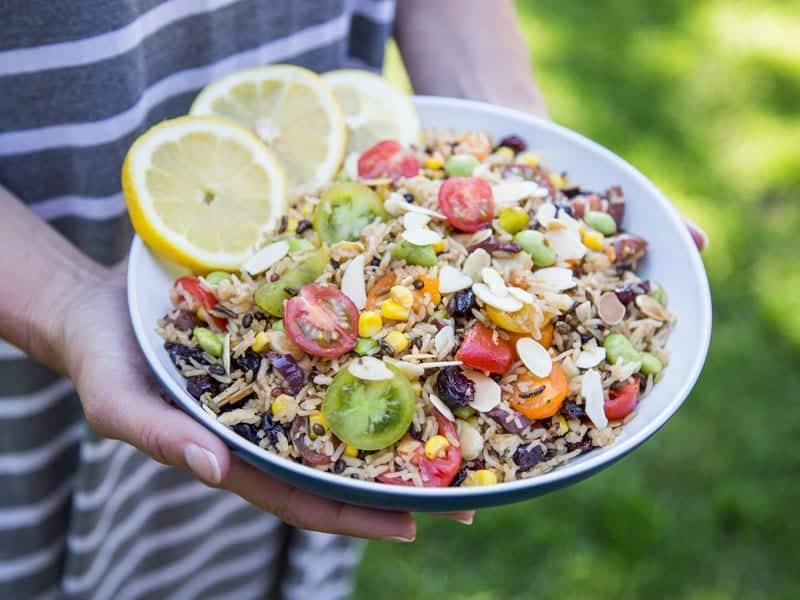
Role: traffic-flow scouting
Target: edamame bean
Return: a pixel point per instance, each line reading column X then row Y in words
column 365, row 346
column 343, row 176
column 534, row 244
column 463, row 412
column 297, row 245
column 215, row 277
column 277, row 325
column 423, row 256
column 657, row 293
column 600, row 221
column 208, row 340
column 460, row 165
column 650, row 364
column 513, row 219
column 619, row 349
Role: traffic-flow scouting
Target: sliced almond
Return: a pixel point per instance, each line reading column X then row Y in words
column 610, row 309
column 592, row 392
column 546, row 213
column 475, row 263
column 395, row 204
column 441, row 407
column 505, row 303
column 512, row 192
column 421, row 237
column 566, row 243
column 560, row 301
column 282, row 343
column 369, row 368
column 415, row 220
column 495, row 282
column 452, row 280
column 556, row 279
column 353, row 284
column 534, row 356
column 520, row 294
column 487, row 391
column 652, row 307
column 266, row 257
column 590, row 357
column 471, row 440
column 226, row 353
column 444, row 341
column 412, row 370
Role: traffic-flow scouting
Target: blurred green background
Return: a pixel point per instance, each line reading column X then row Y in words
column 704, row 98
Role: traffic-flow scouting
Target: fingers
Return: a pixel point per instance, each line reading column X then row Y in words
column 309, row 511
column 462, row 516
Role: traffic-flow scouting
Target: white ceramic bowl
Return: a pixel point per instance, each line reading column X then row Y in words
column 672, row 260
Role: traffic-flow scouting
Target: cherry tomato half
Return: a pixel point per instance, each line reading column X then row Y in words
column 480, row 351
column 435, row 472
column 467, row 202
column 622, row 400
column 549, row 396
column 322, row 321
column 387, row 159
column 206, row 299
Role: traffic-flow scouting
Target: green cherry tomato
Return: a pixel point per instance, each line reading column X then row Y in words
column 271, row 294
column 460, row 165
column 344, row 210
column 369, row 415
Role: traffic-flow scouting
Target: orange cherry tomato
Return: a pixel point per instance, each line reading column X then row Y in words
column 430, row 286
column 546, row 337
column 379, row 289
column 549, row 397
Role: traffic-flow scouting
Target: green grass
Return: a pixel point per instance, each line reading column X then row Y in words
column 703, row 97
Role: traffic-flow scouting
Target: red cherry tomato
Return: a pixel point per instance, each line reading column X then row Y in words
column 480, row 351
column 206, row 299
column 622, row 400
column 322, row 321
column 435, row 472
column 467, row 202
column 387, row 159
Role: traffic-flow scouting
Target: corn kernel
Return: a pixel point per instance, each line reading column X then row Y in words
column 529, row 159
column 317, row 426
column 351, row 451
column 397, row 341
column 480, row 477
column 505, row 152
column 562, row 425
column 436, row 446
column 557, row 180
column 439, row 246
column 433, row 162
column 402, row 295
column 392, row 310
column 593, row 240
column 291, row 224
column 306, row 210
column 283, row 408
column 369, row 323
column 261, row 342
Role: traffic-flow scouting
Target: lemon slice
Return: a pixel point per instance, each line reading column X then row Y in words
column 203, row 191
column 373, row 108
column 292, row 110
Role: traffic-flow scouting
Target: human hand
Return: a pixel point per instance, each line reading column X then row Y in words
column 122, row 401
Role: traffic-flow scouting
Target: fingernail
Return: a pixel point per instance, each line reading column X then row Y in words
column 401, row 539
column 467, row 520
column 203, row 464
column 699, row 236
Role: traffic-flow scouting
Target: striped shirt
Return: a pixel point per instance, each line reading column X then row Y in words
column 82, row 516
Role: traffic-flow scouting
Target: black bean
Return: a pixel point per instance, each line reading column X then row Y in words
column 260, row 315
column 249, row 361
column 271, row 428
column 527, row 459
column 200, row 384
column 247, row 431
column 496, row 377
column 585, row 337
column 461, row 303
column 303, row 225
column 419, row 284
column 563, row 207
column 216, row 370
column 178, row 352
column 318, row 429
column 571, row 192
column 283, row 224
column 375, row 262
column 247, row 320
column 291, row 291
column 572, row 410
column 408, row 198
column 515, row 142
column 335, row 263
column 585, row 445
column 338, row 466
column 459, row 478
column 225, row 311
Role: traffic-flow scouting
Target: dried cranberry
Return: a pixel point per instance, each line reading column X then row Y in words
column 292, row 373
column 616, row 204
column 527, row 459
column 511, row 421
column 627, row 293
column 454, row 388
column 185, row 321
column 247, row 431
column 513, row 141
column 249, row 361
column 461, row 303
column 271, row 428
column 585, row 445
column 459, row 478
column 179, row 352
column 628, row 249
column 303, row 225
column 494, row 245
column 572, row 410
column 200, row 384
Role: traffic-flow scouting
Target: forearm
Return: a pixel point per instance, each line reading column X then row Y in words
column 40, row 274
column 467, row 48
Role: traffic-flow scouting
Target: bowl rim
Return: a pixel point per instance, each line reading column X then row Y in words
column 568, row 471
